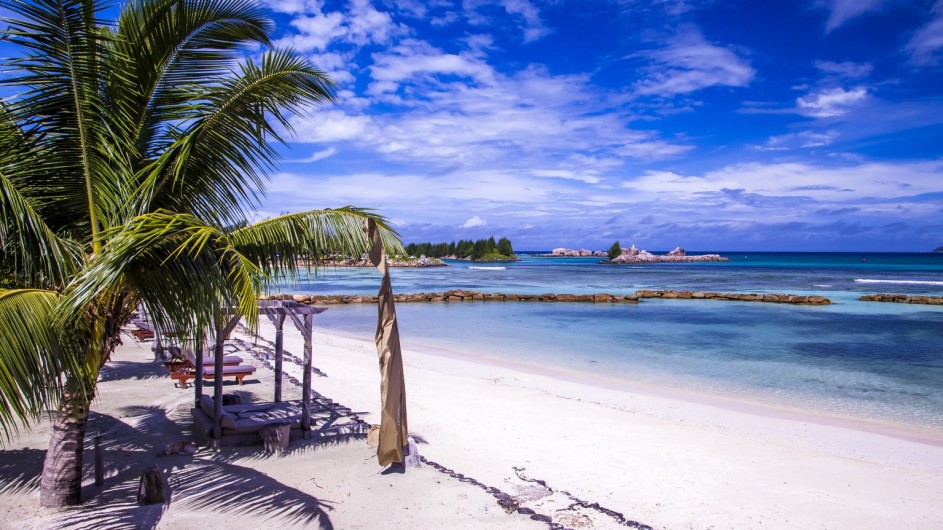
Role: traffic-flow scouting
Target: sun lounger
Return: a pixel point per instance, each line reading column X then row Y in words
column 183, row 367
column 239, row 372
column 242, row 424
column 183, row 358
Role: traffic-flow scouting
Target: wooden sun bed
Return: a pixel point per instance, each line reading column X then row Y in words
column 209, row 372
column 242, row 424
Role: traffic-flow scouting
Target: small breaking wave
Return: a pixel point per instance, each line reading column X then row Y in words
column 488, row 268
column 899, row 282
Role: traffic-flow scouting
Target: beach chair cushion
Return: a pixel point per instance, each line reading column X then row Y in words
column 210, row 371
column 227, row 421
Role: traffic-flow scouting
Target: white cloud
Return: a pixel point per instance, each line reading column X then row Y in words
column 589, row 177
column 841, row 183
column 841, row 11
column 523, row 12
column 830, row 102
column 652, row 149
column 473, row 222
column 690, row 63
column 331, row 125
column 800, row 140
column 319, row 155
column 413, row 59
column 928, row 40
column 294, row 6
column 361, row 24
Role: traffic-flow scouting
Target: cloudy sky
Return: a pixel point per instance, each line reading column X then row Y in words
column 713, row 125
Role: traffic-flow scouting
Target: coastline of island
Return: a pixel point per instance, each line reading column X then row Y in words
column 633, row 255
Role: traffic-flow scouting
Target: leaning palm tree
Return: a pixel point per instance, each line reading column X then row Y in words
column 132, row 155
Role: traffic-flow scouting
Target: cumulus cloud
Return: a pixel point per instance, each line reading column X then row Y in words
column 361, row 24
column 830, row 102
column 473, row 222
column 413, row 58
column 690, row 63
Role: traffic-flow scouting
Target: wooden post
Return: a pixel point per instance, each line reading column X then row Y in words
column 279, row 342
column 99, row 461
column 217, row 386
column 198, row 383
column 306, row 379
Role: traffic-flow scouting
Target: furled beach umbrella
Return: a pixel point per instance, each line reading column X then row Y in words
column 393, row 430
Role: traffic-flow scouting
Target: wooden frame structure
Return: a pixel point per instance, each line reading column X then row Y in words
column 302, row 316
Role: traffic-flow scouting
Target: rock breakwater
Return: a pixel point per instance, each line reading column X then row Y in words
column 472, row 296
column 902, row 298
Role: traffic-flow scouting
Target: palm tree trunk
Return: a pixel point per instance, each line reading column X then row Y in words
column 61, row 483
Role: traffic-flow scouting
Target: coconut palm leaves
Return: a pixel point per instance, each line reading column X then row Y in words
column 128, row 154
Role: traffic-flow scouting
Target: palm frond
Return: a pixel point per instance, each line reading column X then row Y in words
column 184, row 271
column 221, row 159
column 282, row 245
column 168, row 45
column 32, row 356
column 59, row 76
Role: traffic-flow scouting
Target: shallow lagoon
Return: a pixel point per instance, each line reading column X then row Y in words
column 864, row 360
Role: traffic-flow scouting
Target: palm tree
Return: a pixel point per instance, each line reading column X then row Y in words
column 131, row 157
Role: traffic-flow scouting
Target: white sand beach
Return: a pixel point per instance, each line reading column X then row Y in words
column 654, row 456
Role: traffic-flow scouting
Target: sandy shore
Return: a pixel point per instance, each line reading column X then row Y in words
column 655, row 456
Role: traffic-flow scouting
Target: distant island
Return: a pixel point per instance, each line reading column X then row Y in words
column 938, row 250
column 483, row 250
column 618, row 255
column 398, row 262
column 621, row 256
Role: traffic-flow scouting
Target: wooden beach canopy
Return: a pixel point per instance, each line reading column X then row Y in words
column 302, row 316
column 393, row 429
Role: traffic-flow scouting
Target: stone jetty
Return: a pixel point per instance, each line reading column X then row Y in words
column 903, row 298
column 472, row 296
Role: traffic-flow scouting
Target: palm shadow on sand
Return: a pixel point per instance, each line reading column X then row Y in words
column 208, row 481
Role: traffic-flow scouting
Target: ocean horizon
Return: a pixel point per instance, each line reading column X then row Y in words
column 865, row 361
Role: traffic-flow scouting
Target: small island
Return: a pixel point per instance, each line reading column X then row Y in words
column 622, row 256
column 483, row 250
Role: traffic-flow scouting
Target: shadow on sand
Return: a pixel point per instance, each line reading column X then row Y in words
column 210, row 480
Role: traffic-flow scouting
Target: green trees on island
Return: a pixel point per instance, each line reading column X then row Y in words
column 133, row 154
column 615, row 250
column 481, row 250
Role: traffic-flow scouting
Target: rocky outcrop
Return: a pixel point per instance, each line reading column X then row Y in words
column 675, row 256
column 461, row 295
column 570, row 253
column 903, row 299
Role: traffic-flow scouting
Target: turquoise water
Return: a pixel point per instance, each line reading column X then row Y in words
column 864, row 360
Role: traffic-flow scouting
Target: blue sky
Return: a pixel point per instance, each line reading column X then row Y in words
column 751, row 125
column 798, row 125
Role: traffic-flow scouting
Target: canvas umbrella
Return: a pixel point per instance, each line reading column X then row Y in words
column 393, row 430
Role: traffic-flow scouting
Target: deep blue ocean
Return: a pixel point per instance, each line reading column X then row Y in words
column 871, row 361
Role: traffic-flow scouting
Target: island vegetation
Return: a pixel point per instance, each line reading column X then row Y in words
column 481, row 250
